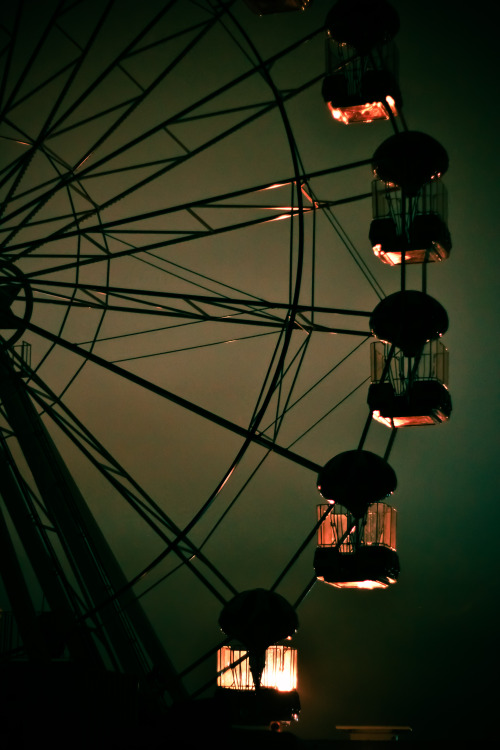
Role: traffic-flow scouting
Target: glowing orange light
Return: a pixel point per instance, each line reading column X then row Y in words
column 366, row 585
column 420, row 255
column 407, row 421
column 280, row 671
column 14, row 140
column 276, row 185
column 280, row 218
column 363, row 112
column 226, row 480
column 51, row 295
column 304, row 192
column 292, row 212
column 82, row 162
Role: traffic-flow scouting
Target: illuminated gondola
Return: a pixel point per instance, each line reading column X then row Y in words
column 415, row 391
column 257, row 680
column 276, row 699
column 357, row 553
column 361, row 77
column 417, row 228
column 409, row 365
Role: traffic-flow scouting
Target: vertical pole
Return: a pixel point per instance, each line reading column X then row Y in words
column 405, row 238
column 424, row 270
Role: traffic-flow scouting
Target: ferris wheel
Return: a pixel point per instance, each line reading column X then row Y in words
column 186, row 322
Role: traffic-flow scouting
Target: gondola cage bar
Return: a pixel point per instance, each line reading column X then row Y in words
column 379, row 528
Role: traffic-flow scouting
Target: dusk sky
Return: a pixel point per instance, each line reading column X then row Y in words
column 422, row 652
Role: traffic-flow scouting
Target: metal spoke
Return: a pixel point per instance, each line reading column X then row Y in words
column 169, row 396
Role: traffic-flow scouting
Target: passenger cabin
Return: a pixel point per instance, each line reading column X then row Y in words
column 275, row 702
column 414, row 390
column 361, row 84
column 413, row 226
column 357, row 554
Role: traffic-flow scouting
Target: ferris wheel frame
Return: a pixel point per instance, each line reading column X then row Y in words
column 56, row 254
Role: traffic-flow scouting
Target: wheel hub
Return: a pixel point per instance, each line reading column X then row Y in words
column 15, row 293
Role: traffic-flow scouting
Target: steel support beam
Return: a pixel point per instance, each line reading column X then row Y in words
column 134, row 641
